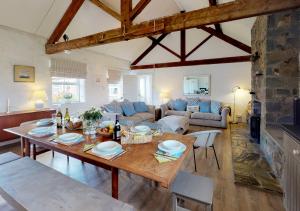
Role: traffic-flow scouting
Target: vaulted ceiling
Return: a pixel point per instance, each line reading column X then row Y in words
column 41, row 17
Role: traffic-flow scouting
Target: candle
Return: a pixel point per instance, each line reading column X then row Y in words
column 8, row 105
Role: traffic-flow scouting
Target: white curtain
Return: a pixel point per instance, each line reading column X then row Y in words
column 68, row 69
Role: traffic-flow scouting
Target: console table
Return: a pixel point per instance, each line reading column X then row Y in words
column 15, row 118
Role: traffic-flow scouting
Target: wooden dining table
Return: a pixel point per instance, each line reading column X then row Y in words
column 139, row 158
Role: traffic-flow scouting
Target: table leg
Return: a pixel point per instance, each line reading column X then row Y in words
column 27, row 147
column 22, row 147
column 115, row 182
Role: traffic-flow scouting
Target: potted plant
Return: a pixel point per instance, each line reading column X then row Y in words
column 90, row 120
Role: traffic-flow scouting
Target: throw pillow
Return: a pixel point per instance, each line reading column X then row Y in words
column 113, row 107
column 215, row 107
column 192, row 108
column 140, row 107
column 128, row 108
column 180, row 105
column 171, row 104
column 193, row 101
column 205, row 106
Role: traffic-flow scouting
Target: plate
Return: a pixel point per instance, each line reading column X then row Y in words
column 108, row 146
column 40, row 130
column 182, row 148
column 141, row 129
column 171, row 145
column 68, row 137
column 44, row 122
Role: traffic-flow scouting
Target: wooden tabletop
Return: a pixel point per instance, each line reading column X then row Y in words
column 138, row 159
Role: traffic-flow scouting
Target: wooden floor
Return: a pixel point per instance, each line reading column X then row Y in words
column 145, row 196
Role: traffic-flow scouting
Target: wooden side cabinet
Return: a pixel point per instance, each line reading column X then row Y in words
column 14, row 119
column 292, row 173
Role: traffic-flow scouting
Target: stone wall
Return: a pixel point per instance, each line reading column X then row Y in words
column 276, row 39
column 275, row 77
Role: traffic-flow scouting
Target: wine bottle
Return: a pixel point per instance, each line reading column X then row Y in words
column 67, row 116
column 117, row 130
column 59, row 119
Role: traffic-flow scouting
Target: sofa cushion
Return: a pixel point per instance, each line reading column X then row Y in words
column 140, row 107
column 176, row 113
column 192, row 108
column 215, row 107
column 179, row 105
column 113, row 107
column 193, row 101
column 171, row 104
column 208, row 116
column 145, row 116
column 205, row 106
column 128, row 108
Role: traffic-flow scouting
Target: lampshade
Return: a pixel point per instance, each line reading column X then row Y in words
column 165, row 96
column 40, row 95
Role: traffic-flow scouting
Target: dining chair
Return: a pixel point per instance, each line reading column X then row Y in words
column 205, row 139
column 36, row 150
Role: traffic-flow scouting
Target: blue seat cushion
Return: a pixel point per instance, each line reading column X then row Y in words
column 215, row 107
column 128, row 108
column 179, row 105
column 205, row 106
column 140, row 107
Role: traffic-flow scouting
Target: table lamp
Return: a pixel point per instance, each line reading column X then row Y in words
column 165, row 97
column 39, row 97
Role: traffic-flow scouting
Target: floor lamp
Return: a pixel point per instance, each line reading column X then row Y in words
column 234, row 89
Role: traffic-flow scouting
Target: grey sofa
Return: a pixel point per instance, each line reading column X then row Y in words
column 136, row 118
column 198, row 118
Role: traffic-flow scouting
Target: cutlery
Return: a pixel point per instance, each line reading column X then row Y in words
column 166, row 156
column 118, row 155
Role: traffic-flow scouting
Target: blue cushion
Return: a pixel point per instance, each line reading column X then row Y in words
column 205, row 106
column 215, row 107
column 179, row 105
column 128, row 108
column 140, row 107
column 113, row 107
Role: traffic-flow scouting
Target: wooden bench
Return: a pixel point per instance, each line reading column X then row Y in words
column 29, row 184
column 8, row 157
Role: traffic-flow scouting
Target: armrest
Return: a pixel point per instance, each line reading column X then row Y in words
column 224, row 114
column 164, row 108
column 151, row 109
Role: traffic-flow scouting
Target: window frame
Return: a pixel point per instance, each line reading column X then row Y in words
column 80, row 83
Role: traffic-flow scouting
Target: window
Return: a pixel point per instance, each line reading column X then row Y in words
column 114, row 92
column 68, row 90
column 145, row 88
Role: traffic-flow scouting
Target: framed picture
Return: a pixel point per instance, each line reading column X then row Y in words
column 24, row 73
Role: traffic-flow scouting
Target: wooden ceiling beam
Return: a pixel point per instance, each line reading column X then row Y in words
column 217, row 25
column 198, row 46
column 230, row 11
column 107, row 9
column 193, row 62
column 65, row 21
column 139, row 8
column 166, row 48
column 126, row 8
column 227, row 39
column 154, row 43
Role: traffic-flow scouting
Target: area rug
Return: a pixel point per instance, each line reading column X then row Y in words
column 249, row 164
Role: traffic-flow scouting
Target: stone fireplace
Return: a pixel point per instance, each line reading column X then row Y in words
column 275, row 78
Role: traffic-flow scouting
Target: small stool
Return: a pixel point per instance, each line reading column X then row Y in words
column 196, row 188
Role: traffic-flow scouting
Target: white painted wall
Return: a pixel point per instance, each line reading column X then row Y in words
column 22, row 48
